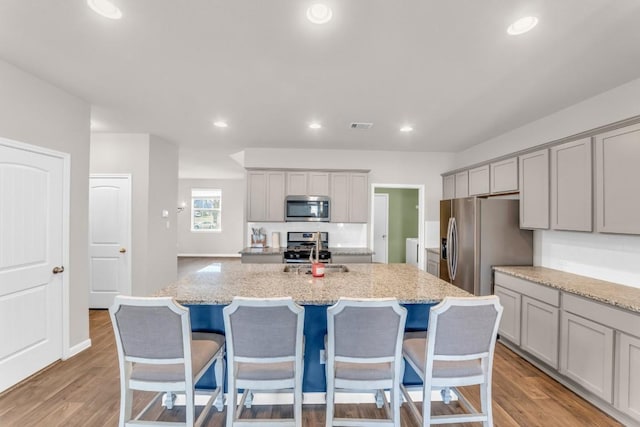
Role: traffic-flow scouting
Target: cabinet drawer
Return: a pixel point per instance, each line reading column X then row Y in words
column 540, row 292
column 615, row 318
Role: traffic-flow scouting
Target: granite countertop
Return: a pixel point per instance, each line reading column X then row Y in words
column 622, row 296
column 350, row 251
column 223, row 281
column 262, row 251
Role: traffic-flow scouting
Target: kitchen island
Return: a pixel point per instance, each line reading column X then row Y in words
column 207, row 291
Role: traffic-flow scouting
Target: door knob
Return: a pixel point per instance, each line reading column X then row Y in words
column 122, row 250
column 57, row 270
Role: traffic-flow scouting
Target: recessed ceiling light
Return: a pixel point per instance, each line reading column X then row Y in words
column 220, row 124
column 105, row 8
column 319, row 13
column 315, row 126
column 406, row 129
column 522, row 25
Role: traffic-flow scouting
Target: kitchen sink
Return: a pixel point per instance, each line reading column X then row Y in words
column 306, row 268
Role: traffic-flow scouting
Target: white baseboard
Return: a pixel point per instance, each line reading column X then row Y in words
column 72, row 351
column 236, row 255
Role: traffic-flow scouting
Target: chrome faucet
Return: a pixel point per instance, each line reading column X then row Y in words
column 317, row 246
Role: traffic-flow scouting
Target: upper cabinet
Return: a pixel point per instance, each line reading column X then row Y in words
column 462, row 185
column 504, row 176
column 479, row 181
column 617, row 155
column 301, row 183
column 265, row 196
column 449, row 187
column 349, row 197
column 571, row 190
column 534, row 190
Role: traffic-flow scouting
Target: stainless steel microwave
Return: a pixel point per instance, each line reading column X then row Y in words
column 307, row 208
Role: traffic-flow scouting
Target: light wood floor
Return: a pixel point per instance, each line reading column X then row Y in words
column 84, row 391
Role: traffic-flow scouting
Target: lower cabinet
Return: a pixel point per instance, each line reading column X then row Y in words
column 350, row 259
column 433, row 263
column 540, row 330
column 629, row 375
column 587, row 354
column 510, row 323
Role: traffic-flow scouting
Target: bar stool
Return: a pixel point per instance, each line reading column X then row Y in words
column 457, row 350
column 364, row 352
column 264, row 352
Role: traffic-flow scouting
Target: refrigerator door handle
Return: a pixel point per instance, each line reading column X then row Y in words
column 453, row 249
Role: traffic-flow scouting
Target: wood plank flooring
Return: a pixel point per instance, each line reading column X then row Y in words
column 84, row 391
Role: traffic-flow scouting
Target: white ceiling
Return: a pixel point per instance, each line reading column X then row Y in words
column 446, row 67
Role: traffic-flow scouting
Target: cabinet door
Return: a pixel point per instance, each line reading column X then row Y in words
column 540, row 330
column 297, row 183
column 275, row 196
column 587, row 354
column 534, row 190
column 571, row 177
column 617, row 156
column 256, row 196
column 629, row 375
column 358, row 197
column 504, row 176
column 318, row 184
column 479, row 181
column 448, row 187
column 510, row 323
column 433, row 267
column 462, row 185
column 339, row 197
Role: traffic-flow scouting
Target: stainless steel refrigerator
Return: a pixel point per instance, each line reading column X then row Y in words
column 476, row 234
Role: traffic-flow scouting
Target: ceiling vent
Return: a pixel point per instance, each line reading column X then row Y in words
column 360, row 125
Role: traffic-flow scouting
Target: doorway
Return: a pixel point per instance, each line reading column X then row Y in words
column 109, row 238
column 405, row 221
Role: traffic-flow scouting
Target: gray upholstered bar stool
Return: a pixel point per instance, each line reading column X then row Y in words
column 456, row 351
column 157, row 352
column 364, row 353
column 265, row 351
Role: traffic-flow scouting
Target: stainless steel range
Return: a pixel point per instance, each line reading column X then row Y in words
column 299, row 245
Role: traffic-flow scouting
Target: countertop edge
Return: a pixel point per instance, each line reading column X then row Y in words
column 562, row 281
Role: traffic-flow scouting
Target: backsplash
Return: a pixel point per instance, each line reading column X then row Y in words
column 340, row 235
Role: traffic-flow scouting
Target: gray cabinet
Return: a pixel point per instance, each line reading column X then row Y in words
column 511, row 313
column 530, row 318
column 539, row 334
column 534, row 190
column 349, row 197
column 261, row 259
column 433, row 262
column 628, row 390
column 617, row 156
column 571, row 177
column 462, row 185
column 587, row 345
column 265, row 196
column 587, row 354
column 479, row 181
column 448, row 187
column 504, row 176
column 312, row 183
column 350, row 259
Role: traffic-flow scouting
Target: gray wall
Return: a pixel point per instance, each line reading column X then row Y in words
column 35, row 112
column 153, row 166
column 227, row 242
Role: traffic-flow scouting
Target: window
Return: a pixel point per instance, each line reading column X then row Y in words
column 206, row 210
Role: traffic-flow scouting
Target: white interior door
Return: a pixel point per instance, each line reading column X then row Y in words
column 31, row 249
column 381, row 228
column 109, row 238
